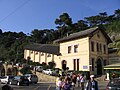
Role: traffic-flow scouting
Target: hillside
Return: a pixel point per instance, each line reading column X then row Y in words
column 12, row 43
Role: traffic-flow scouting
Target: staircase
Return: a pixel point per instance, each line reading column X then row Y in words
column 101, row 78
column 45, row 78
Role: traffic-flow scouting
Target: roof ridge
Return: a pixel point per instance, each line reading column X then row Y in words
column 85, row 30
column 77, row 34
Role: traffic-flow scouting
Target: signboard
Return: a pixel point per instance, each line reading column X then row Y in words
column 85, row 67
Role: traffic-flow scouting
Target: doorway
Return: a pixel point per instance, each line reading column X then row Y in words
column 76, row 64
column 64, row 65
column 99, row 66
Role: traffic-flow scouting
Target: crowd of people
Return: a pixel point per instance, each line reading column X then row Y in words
column 70, row 81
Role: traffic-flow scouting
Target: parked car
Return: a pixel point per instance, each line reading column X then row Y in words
column 32, row 78
column 31, row 67
column 1, row 77
column 19, row 80
column 113, row 84
column 39, row 68
column 18, row 64
column 6, row 79
column 48, row 71
column 56, row 72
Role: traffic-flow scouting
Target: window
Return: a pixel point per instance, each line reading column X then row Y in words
column 104, row 46
column 75, row 48
column 97, row 47
column 100, row 48
column 36, row 52
column 76, row 64
column 42, row 54
column 92, row 64
column 31, row 51
column 69, row 49
column 92, row 46
column 48, row 55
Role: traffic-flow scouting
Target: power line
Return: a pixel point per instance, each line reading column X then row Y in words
column 14, row 11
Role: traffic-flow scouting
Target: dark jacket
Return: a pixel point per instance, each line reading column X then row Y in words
column 92, row 85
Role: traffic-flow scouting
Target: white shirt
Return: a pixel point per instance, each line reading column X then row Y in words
column 82, row 79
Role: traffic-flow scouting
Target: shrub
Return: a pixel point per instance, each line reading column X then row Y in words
column 51, row 64
column 25, row 70
column 46, row 67
column 43, row 64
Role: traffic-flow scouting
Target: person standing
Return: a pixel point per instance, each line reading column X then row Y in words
column 57, row 79
column 67, row 84
column 113, row 75
column 78, row 79
column 82, row 81
column 59, row 84
column 74, row 79
column 92, row 84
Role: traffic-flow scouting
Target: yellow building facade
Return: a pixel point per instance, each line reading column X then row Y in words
column 41, row 52
column 82, row 51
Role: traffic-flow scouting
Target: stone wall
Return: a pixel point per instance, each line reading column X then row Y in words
column 45, row 78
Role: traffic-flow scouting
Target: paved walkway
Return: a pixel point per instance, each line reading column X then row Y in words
column 102, row 85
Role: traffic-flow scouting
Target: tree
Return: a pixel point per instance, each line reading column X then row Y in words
column 42, row 36
column 117, row 13
column 64, row 23
column 81, row 25
column 11, row 45
column 102, row 17
column 110, row 19
column 37, row 35
column 93, row 20
column 63, row 20
column 25, row 70
column 0, row 31
column 51, row 64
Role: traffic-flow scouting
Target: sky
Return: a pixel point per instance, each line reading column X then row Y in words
column 27, row 15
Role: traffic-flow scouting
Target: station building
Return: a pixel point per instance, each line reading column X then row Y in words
column 82, row 51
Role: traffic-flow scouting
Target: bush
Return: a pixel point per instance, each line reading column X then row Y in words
column 46, row 67
column 25, row 70
column 43, row 64
column 51, row 64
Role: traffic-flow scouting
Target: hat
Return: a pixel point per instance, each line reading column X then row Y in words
column 92, row 76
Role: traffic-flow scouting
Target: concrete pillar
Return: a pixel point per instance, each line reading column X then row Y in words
column 108, row 76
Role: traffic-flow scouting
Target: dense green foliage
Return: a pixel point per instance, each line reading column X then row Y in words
column 25, row 70
column 12, row 43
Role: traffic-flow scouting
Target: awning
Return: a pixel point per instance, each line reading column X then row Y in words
column 112, row 66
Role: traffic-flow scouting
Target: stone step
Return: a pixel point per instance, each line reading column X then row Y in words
column 45, row 78
column 101, row 78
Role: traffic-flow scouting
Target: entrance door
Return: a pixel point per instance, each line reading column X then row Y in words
column 99, row 67
column 64, row 65
column 76, row 64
